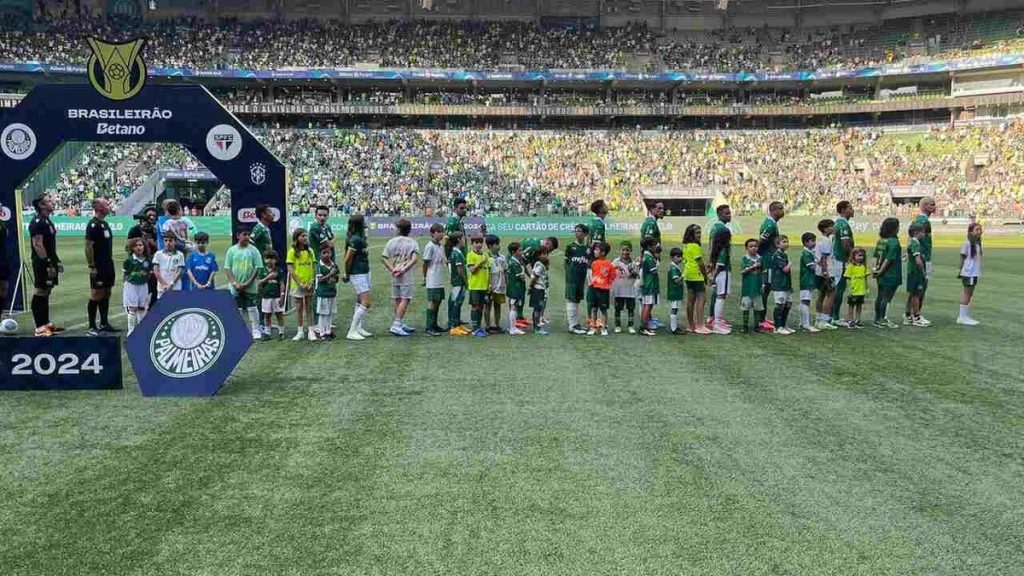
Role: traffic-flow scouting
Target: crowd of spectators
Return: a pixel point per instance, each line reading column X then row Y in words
column 974, row 169
column 282, row 44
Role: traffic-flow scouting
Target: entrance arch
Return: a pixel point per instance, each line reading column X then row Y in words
column 185, row 114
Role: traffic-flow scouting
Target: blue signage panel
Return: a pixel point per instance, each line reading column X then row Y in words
column 71, row 363
column 188, row 344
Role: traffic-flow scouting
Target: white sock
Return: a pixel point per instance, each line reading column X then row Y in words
column 673, row 321
column 254, row 318
column 301, row 330
column 133, row 321
column 357, row 318
column 805, row 314
column 570, row 314
column 396, row 322
column 139, row 316
column 511, row 317
column 328, row 319
column 719, row 309
column 965, row 311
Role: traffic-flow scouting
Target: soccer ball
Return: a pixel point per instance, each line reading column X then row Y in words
column 8, row 326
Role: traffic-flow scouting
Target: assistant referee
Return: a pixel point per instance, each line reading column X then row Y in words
column 46, row 266
column 99, row 253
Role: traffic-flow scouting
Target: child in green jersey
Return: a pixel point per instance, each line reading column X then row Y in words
column 916, row 278
column 577, row 264
column 137, row 271
column 479, row 265
column 695, row 274
column 539, row 289
column 808, row 279
column 648, row 284
column 271, row 296
column 517, row 278
column 326, row 291
column 674, row 290
column 888, row 269
column 781, row 285
column 856, row 274
column 457, row 263
column 750, row 289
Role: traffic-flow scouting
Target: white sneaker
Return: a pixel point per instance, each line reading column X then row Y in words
column 809, row 328
column 632, row 330
column 908, row 321
column 826, row 326
column 298, row 336
column 515, row 332
column 720, row 329
column 398, row 331
column 968, row 321
column 578, row 330
column 313, row 337
column 782, row 331
column 364, row 333
column 922, row 321
column 604, row 331
column 352, row 335
column 257, row 335
column 618, row 329
column 592, row 332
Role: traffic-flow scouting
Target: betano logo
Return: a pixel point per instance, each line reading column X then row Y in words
column 116, row 70
column 187, row 343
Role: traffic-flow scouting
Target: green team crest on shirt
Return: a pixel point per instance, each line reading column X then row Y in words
column 187, row 343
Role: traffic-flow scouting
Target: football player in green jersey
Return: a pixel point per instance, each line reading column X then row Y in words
column 842, row 249
column 648, row 284
column 916, row 279
column 927, row 206
column 577, row 263
column 649, row 228
column 720, row 263
column 597, row 229
column 750, row 286
column 808, row 279
column 780, row 277
column 888, row 269
column 766, row 248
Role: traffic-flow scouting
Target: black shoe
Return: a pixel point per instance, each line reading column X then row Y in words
column 92, row 332
column 108, row 329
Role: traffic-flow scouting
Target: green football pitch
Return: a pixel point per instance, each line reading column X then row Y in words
column 849, row 452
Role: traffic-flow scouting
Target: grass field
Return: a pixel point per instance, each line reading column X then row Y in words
column 869, row 452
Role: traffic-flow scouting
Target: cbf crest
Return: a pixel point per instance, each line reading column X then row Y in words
column 258, row 173
column 116, row 70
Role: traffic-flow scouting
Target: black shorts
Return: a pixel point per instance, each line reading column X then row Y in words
column 627, row 303
column 598, row 299
column 41, row 276
column 477, row 297
column 538, row 298
column 855, row 300
column 104, row 279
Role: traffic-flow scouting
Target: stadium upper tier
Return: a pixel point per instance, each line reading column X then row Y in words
column 473, row 45
column 972, row 169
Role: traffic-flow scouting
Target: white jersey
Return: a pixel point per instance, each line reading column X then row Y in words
column 433, row 254
column 499, row 276
column 169, row 265
column 399, row 251
column 972, row 266
column 626, row 274
column 824, row 249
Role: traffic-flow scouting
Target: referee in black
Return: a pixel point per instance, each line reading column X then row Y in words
column 46, row 266
column 99, row 253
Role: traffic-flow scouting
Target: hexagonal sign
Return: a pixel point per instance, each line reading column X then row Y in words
column 188, row 344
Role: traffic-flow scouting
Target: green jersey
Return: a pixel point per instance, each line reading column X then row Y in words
column 926, row 240
column 768, row 233
column 781, row 279
column 843, row 231
column 326, row 280
column 751, row 283
column 516, row 279
column 457, row 262
column 724, row 260
column 808, row 264
column 674, row 290
column 577, row 262
column 137, row 270
column 361, row 260
column 271, row 288
column 650, row 228
column 244, row 263
column 889, row 249
column 454, row 224
column 915, row 248
column 597, row 230
column 260, row 238
column 320, row 235
column 649, row 275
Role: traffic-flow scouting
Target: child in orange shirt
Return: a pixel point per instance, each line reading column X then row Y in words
column 602, row 275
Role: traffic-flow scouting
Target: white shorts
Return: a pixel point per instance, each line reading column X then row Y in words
column 135, row 296
column 271, row 305
column 807, row 295
column 360, row 283
column 401, row 292
column 722, row 279
column 649, row 300
column 675, row 304
column 748, row 303
column 783, row 297
column 326, row 306
column 838, row 276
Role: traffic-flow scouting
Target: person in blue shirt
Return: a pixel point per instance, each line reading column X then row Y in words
column 201, row 266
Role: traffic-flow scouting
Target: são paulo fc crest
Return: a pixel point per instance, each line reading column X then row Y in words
column 18, row 141
column 224, row 142
column 187, row 343
column 258, row 173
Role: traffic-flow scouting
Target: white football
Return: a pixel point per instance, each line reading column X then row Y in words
column 8, row 326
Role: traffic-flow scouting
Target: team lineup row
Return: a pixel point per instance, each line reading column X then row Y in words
column 829, row 266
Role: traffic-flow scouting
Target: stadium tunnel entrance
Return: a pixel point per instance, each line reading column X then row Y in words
column 185, row 114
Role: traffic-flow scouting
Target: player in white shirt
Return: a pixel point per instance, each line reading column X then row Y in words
column 970, row 272
column 168, row 265
column 826, row 270
column 400, row 256
column 435, row 263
